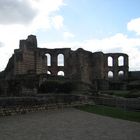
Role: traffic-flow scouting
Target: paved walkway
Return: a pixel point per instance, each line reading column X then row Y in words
column 68, row 124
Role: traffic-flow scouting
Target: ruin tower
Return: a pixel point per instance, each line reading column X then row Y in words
column 28, row 59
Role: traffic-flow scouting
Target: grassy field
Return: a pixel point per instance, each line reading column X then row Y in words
column 112, row 112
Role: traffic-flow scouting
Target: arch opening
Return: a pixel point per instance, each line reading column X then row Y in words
column 48, row 59
column 61, row 73
column 121, row 74
column 110, row 74
column 110, row 61
column 121, row 61
column 60, row 60
column 48, row 72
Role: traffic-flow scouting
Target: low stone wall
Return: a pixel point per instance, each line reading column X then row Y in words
column 36, row 100
column 120, row 102
column 8, row 111
column 21, row 105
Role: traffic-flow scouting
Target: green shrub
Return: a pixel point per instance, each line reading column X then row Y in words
column 66, row 87
column 49, row 87
column 57, row 87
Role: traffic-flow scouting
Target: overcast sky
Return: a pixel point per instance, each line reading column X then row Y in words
column 95, row 25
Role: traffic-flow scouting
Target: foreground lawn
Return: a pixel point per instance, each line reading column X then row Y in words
column 112, row 112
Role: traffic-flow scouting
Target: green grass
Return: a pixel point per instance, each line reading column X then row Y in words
column 112, row 112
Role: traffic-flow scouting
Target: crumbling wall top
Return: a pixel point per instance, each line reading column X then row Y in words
column 30, row 42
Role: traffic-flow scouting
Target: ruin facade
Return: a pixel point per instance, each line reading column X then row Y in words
column 34, row 64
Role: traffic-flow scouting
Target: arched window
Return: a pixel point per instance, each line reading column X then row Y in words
column 60, row 60
column 110, row 74
column 48, row 59
column 60, row 73
column 120, row 61
column 48, row 72
column 121, row 74
column 110, row 61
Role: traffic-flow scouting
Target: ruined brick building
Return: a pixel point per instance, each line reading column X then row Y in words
column 29, row 66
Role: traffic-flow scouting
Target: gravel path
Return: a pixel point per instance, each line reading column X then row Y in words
column 67, row 124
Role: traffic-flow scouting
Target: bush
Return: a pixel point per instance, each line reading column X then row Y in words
column 49, row 87
column 57, row 87
column 66, row 87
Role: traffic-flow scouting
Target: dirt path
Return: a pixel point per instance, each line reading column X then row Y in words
column 69, row 124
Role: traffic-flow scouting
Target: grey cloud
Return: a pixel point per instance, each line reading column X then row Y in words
column 16, row 11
